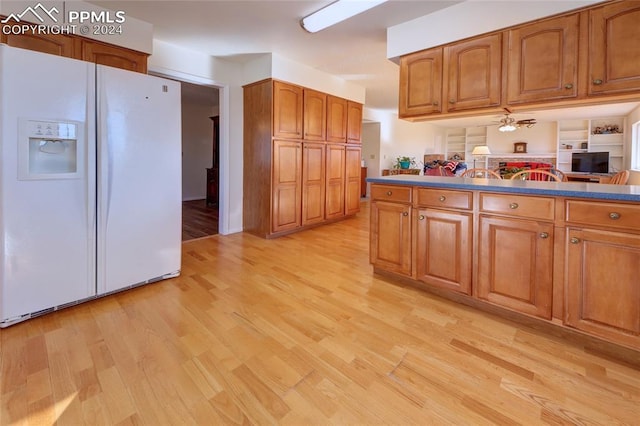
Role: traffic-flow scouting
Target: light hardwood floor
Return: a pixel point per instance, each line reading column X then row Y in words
column 298, row 331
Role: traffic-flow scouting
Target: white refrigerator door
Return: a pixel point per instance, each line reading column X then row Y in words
column 47, row 222
column 139, row 178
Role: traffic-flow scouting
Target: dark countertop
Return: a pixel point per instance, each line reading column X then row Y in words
column 565, row 189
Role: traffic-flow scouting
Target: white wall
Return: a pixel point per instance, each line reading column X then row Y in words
column 403, row 138
column 275, row 66
column 468, row 19
column 541, row 139
column 633, row 117
column 194, row 67
column 371, row 148
column 197, row 149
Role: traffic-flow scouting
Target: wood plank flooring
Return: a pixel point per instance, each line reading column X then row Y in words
column 298, row 331
column 198, row 220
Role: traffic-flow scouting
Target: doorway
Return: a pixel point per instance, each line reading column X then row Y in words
column 200, row 160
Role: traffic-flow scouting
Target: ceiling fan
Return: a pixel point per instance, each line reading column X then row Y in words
column 509, row 124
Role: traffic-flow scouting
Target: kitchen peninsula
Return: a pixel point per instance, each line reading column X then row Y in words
column 562, row 253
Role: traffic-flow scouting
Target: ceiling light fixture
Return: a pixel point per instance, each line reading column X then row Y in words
column 336, row 12
column 507, row 124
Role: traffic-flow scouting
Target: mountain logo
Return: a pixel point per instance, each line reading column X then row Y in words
column 38, row 10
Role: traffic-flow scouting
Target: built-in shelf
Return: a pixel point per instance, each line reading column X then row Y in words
column 585, row 136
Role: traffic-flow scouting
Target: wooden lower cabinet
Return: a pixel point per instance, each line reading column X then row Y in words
column 390, row 242
column 313, row 183
column 603, row 284
column 286, row 186
column 444, row 249
column 515, row 264
column 353, row 169
column 335, row 181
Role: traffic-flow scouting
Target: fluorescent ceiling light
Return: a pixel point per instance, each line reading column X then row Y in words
column 336, row 12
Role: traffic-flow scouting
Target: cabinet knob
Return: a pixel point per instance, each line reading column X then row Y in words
column 435, row 103
column 544, row 235
column 421, row 217
column 405, row 213
column 614, row 215
column 597, row 82
column 442, row 198
column 568, row 86
column 389, row 193
column 574, row 240
column 452, row 101
column 513, row 206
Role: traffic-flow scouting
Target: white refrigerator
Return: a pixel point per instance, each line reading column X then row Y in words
column 90, row 181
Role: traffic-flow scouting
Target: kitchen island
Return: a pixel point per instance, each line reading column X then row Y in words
column 566, row 254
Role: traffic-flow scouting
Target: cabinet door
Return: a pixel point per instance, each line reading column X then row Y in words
column 335, row 181
column 421, row 83
column 543, row 61
column 287, row 110
column 336, row 119
column 474, row 73
column 286, row 182
column 354, row 122
column 515, row 264
column 54, row 44
column 352, row 179
column 391, row 237
column 114, row 56
column 614, row 50
column 603, row 291
column 315, row 115
column 444, row 249
column 313, row 183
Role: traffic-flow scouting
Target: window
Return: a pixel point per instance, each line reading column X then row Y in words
column 635, row 146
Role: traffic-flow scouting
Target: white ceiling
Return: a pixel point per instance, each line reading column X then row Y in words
column 354, row 50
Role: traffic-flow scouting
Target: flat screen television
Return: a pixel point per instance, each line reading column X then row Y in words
column 590, row 162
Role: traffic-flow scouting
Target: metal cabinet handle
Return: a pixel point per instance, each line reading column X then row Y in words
column 421, row 217
column 544, row 235
column 574, row 240
column 389, row 193
column 513, row 206
column 405, row 213
column 442, row 198
column 568, row 86
column 435, row 103
column 452, row 101
column 614, row 215
column 597, row 82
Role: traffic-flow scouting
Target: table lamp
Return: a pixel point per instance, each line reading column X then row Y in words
column 480, row 151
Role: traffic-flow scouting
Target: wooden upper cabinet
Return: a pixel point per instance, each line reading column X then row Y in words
column 421, row 83
column 542, row 62
column 336, row 119
column 474, row 77
column 614, row 48
column 354, row 122
column 315, row 115
column 60, row 45
column 287, row 110
column 113, row 56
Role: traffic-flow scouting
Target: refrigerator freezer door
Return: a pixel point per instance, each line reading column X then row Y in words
column 47, row 218
column 139, row 178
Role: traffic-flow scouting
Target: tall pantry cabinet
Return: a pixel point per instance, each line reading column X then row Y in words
column 302, row 154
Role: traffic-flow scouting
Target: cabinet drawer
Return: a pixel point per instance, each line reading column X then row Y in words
column 444, row 198
column 612, row 215
column 541, row 208
column 399, row 194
